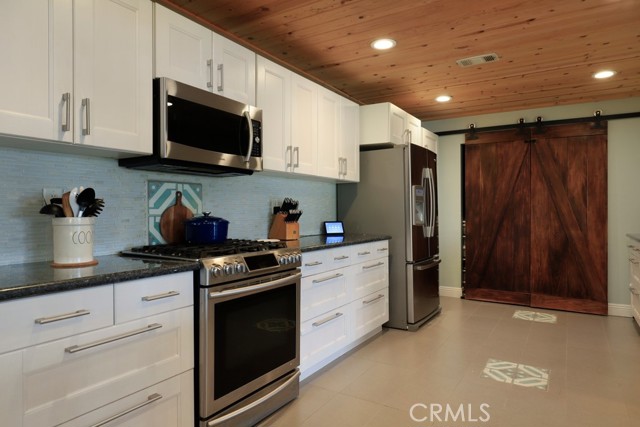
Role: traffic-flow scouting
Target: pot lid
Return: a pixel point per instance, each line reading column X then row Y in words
column 206, row 219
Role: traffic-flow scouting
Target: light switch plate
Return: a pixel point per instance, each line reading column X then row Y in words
column 50, row 193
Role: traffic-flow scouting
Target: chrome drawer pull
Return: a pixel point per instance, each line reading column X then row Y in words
column 313, row 264
column 77, row 348
column 340, row 258
column 374, row 299
column 364, row 253
column 383, row 249
column 152, row 398
column 86, row 104
column 45, row 320
column 328, row 319
column 366, row 267
column 66, row 99
column 161, row 296
column 335, row 276
column 210, row 65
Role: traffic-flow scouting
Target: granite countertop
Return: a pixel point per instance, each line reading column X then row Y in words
column 321, row 241
column 634, row 236
column 39, row 278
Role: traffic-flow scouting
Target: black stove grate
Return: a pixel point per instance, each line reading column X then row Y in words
column 228, row 247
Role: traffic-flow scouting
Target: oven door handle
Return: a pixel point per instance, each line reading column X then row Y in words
column 255, row 288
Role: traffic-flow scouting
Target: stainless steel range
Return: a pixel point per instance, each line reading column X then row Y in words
column 248, row 327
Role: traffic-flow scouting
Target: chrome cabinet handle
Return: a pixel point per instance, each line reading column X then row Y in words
column 250, row 124
column 383, row 249
column 335, row 276
column 380, row 296
column 152, row 398
column 366, row 267
column 160, row 296
column 86, row 104
column 326, row 320
column 290, row 156
column 313, row 264
column 77, row 313
column 340, row 258
column 77, row 348
column 221, row 75
column 210, row 65
column 296, row 150
column 66, row 99
column 364, row 253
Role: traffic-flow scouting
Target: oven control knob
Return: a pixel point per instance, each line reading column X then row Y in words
column 240, row 268
column 283, row 260
column 291, row 259
column 297, row 257
column 215, row 270
column 228, row 269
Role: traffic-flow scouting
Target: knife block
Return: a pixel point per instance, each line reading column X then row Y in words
column 282, row 230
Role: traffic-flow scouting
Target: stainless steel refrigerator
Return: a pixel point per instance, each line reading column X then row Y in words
column 397, row 196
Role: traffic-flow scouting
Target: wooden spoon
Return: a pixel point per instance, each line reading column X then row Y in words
column 66, row 206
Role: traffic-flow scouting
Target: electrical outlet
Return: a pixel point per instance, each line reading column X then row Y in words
column 50, row 193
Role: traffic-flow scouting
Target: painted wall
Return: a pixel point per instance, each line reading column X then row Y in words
column 623, row 181
column 245, row 201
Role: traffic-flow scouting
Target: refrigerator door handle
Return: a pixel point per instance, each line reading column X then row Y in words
column 432, row 206
column 426, row 228
column 426, row 265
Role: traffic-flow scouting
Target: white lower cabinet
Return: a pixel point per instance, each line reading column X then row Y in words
column 344, row 300
column 86, row 377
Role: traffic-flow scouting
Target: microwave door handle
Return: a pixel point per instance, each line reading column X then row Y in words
column 248, row 117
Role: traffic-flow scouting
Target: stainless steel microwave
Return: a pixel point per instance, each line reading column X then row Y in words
column 202, row 133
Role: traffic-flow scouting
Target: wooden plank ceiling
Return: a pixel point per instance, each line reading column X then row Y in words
column 548, row 49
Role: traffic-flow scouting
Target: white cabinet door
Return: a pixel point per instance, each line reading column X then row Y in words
column 183, row 49
column 328, row 133
column 429, row 140
column 36, row 71
column 112, row 66
column 304, row 124
column 323, row 336
column 273, row 96
column 383, row 123
column 414, row 132
column 235, row 70
column 369, row 312
column 99, row 367
column 11, row 398
column 349, row 141
column 167, row 404
column 323, row 292
column 369, row 276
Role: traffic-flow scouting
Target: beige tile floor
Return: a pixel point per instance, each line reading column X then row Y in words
column 593, row 364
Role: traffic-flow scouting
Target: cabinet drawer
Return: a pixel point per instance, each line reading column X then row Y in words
column 369, row 251
column 146, row 297
column 323, row 292
column 314, row 262
column 48, row 317
column 370, row 276
column 339, row 257
column 370, row 312
column 167, row 404
column 324, row 335
column 72, row 376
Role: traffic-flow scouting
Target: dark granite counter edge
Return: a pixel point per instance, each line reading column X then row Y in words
column 48, row 283
column 634, row 236
column 319, row 242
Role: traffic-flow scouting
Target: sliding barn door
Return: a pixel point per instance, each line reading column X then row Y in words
column 569, row 218
column 536, row 217
column 497, row 214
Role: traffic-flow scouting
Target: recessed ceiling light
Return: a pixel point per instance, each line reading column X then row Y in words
column 383, row 44
column 603, row 74
column 443, row 98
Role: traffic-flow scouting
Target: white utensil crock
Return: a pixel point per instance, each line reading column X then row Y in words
column 73, row 241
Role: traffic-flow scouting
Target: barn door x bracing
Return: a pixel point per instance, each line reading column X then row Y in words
column 536, row 217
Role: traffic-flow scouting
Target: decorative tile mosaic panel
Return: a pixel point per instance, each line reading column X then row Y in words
column 535, row 316
column 161, row 195
column 516, row 373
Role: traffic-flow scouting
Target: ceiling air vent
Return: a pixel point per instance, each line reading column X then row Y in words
column 477, row 60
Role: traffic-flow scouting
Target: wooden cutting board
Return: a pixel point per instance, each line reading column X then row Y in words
column 172, row 221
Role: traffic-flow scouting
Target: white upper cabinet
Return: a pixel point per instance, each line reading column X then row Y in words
column 79, row 72
column 191, row 53
column 273, row 96
column 329, row 161
column 385, row 123
column 349, row 165
column 429, row 140
column 304, row 125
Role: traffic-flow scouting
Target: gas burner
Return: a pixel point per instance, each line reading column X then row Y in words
column 200, row 251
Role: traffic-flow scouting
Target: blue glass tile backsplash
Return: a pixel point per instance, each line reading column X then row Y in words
column 245, row 201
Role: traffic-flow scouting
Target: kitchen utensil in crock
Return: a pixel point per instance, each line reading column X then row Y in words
column 94, row 208
column 85, row 198
column 206, row 229
column 73, row 195
column 172, row 221
column 52, row 209
column 66, row 206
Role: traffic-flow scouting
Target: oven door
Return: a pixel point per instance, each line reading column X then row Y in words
column 249, row 337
